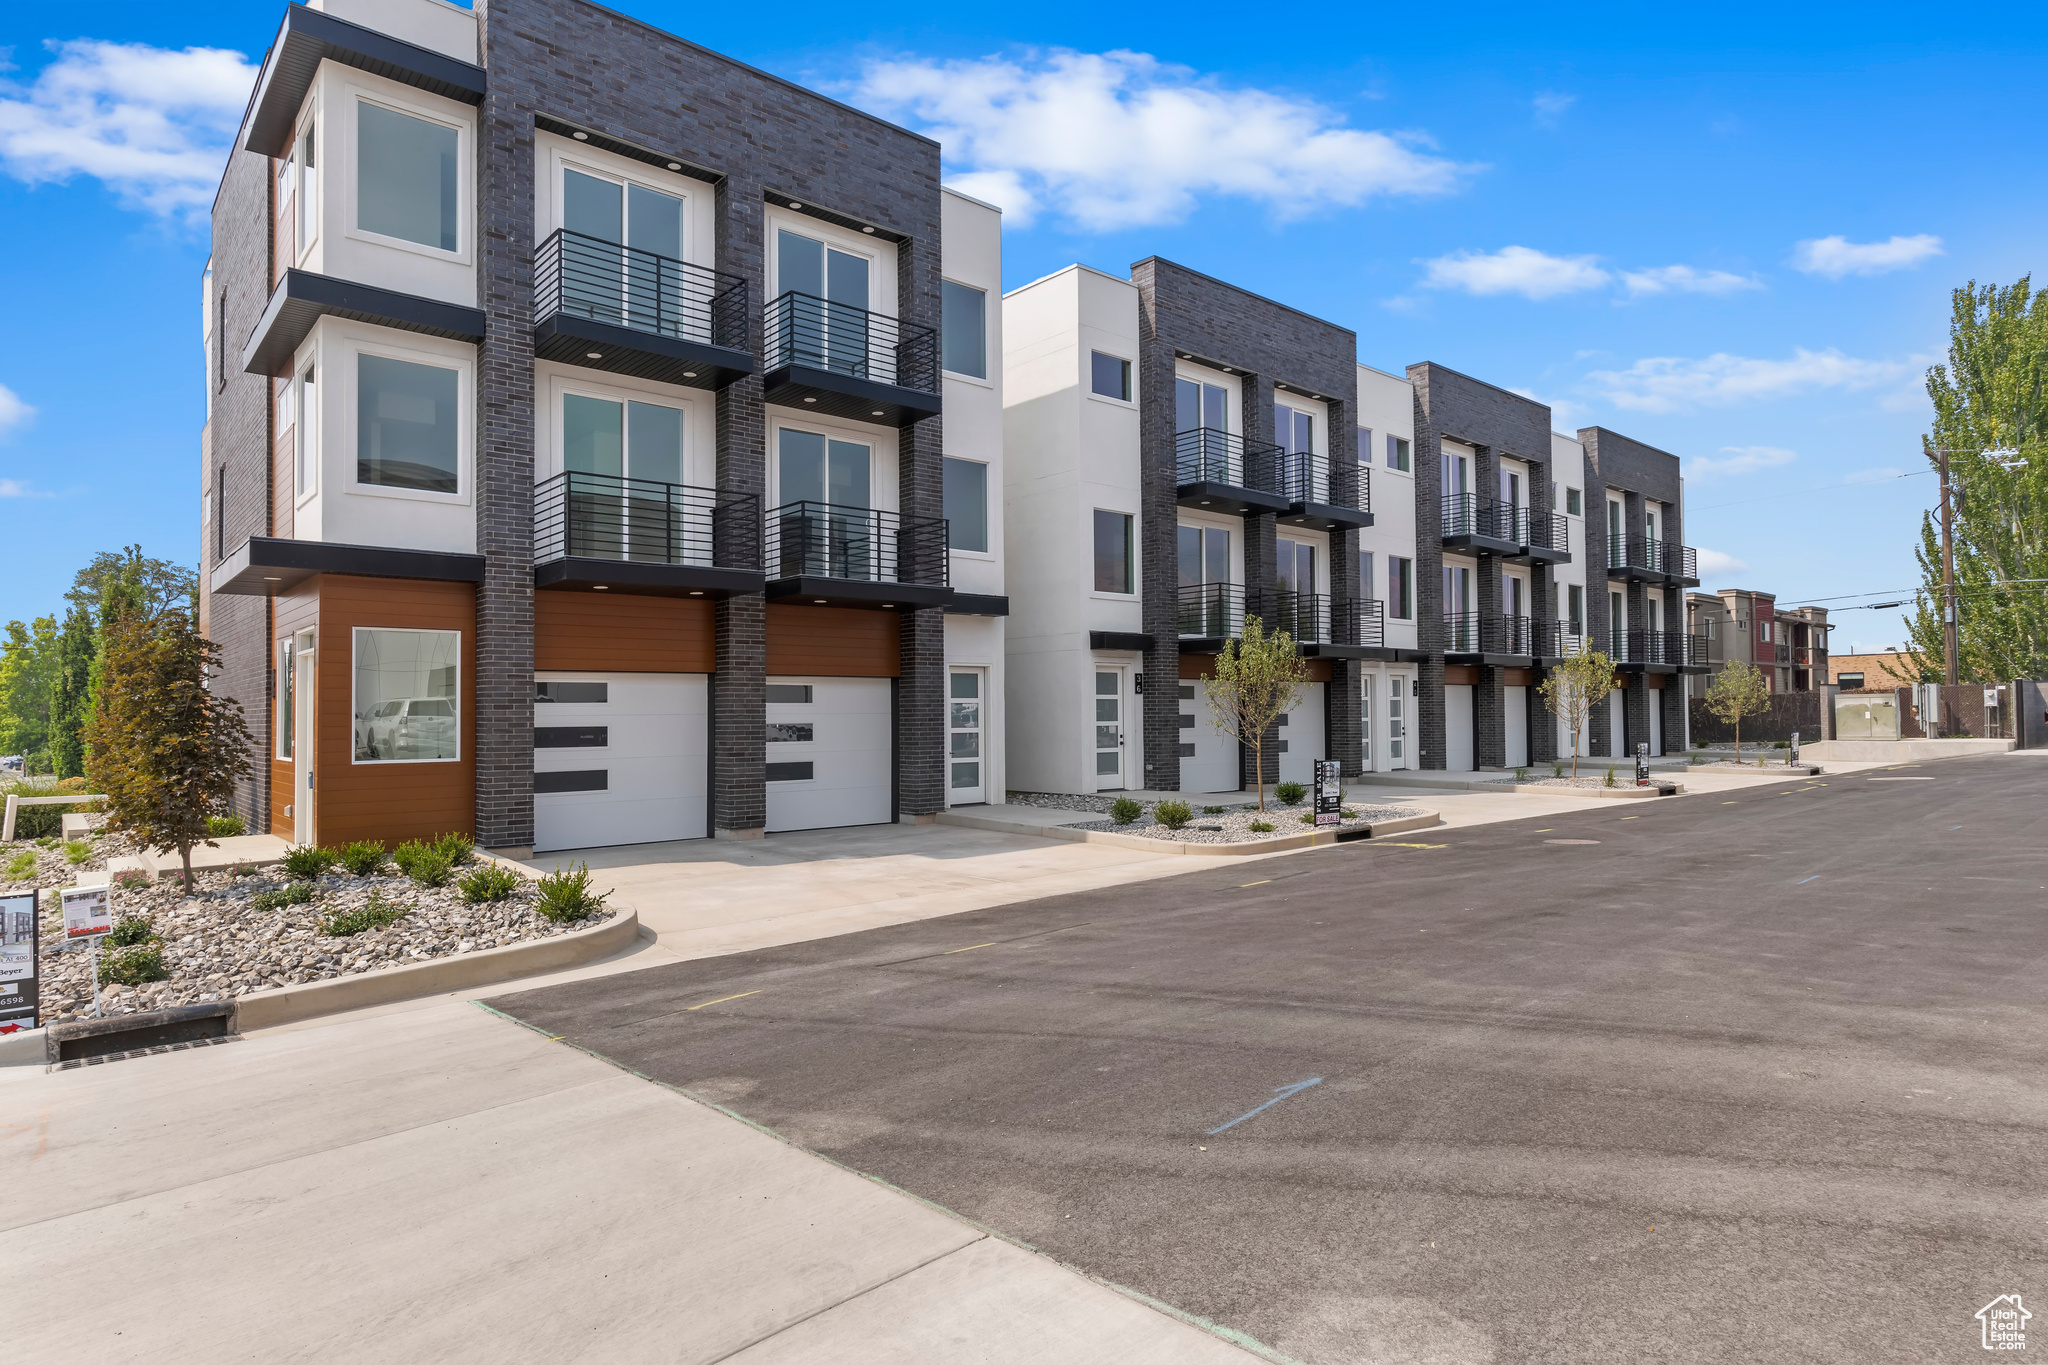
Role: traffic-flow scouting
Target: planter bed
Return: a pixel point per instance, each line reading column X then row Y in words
column 1231, row 826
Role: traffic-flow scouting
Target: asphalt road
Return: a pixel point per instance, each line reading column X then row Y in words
column 1744, row 1077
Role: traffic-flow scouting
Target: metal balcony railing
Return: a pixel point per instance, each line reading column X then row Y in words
column 1562, row 639
column 1783, row 653
column 801, row 329
column 1358, row 621
column 1468, row 514
column 1655, row 556
column 605, row 516
column 1547, row 531
column 1471, row 632
column 1650, row 647
column 827, row 540
column 1211, row 611
column 1207, row 455
column 1308, row 478
column 588, row 277
column 1305, row 616
column 1696, row 649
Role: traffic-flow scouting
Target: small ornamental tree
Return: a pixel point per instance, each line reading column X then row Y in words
column 1258, row 679
column 1573, row 687
column 165, row 750
column 1739, row 690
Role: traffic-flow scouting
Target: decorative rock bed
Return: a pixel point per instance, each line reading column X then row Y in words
column 217, row 945
column 1233, row 825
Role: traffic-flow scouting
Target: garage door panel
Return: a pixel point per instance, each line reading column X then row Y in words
column 1302, row 736
column 851, row 781
column 654, row 760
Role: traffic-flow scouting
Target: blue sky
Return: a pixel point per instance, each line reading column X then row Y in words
column 1732, row 236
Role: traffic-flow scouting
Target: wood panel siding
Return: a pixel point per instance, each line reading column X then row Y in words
column 392, row 802
column 291, row 612
column 283, row 477
column 1656, row 682
column 832, row 642
column 595, row 632
column 1461, row 675
column 1319, row 670
column 1517, row 677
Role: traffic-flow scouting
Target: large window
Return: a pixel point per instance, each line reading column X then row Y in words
column 1198, row 405
column 1574, row 502
column 1400, row 587
column 1397, row 453
column 966, row 493
column 287, row 691
column 812, row 467
column 407, row 425
column 1113, row 551
column 1294, row 431
column 1109, row 375
column 407, row 177
column 408, row 699
column 963, row 329
column 634, row 440
column 306, row 440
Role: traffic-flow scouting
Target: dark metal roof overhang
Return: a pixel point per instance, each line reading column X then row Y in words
column 1538, row 554
column 1695, row 668
column 1324, row 516
column 1202, row 644
column 1379, row 653
column 1637, row 666
column 577, row 573
column 596, row 345
column 1119, row 640
column 265, row 566
column 1475, row 543
column 309, row 37
column 856, row 592
column 844, row 395
column 977, row 604
column 1228, row 498
column 1634, row 573
column 302, row 298
column 1491, row 660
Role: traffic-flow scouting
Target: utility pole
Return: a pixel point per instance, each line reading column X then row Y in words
column 1948, row 571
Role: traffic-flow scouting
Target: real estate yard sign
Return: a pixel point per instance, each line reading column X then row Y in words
column 88, row 914
column 19, row 954
column 1643, row 764
column 1329, row 792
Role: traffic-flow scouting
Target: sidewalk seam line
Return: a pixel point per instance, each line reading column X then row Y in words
column 857, row 1294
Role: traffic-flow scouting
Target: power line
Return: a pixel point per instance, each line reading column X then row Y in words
column 1822, row 488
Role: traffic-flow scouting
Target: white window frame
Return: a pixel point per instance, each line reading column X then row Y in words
column 306, row 440
column 881, row 282
column 561, row 386
column 986, row 349
column 465, row 176
column 882, row 492
column 465, row 422
column 675, row 186
column 987, row 497
column 1131, row 557
column 306, row 226
column 355, row 648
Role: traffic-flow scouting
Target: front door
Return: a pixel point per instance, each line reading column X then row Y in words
column 966, row 782
column 1398, row 687
column 303, row 828
column 1109, row 729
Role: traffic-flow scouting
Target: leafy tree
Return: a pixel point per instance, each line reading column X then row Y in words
column 1738, row 690
column 71, row 688
column 1258, row 678
column 131, row 578
column 1991, row 415
column 28, row 673
column 166, row 750
column 1573, row 687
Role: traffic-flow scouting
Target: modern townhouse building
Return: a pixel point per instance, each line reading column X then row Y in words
column 1791, row 647
column 1182, row 455
column 1390, row 735
column 585, row 460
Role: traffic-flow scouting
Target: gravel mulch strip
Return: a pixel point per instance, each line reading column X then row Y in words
column 1232, row 827
column 216, row 945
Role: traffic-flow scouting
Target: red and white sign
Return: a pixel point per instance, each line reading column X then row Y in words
column 88, row 911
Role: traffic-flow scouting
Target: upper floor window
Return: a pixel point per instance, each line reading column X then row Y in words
column 1109, row 376
column 1114, row 551
column 1574, row 502
column 966, row 496
column 1204, row 553
column 306, row 215
column 1400, row 587
column 1510, row 487
column 1457, row 474
column 815, row 468
column 963, row 331
column 1200, row 405
column 408, row 182
column 1294, row 431
column 1365, row 445
column 1397, row 453
column 408, row 432
column 805, row 265
column 621, row 439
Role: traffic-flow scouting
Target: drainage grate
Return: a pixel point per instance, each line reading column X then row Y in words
column 77, row 1062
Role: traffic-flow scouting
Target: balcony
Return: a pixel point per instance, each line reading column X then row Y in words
column 1664, row 562
column 1562, row 639
column 1546, row 538
column 1649, row 651
column 1483, row 525
column 828, row 554
column 1223, row 472
column 1695, row 660
column 1210, row 613
column 1484, row 638
column 640, row 536
column 846, row 361
column 1339, row 628
column 617, row 308
column 1314, row 500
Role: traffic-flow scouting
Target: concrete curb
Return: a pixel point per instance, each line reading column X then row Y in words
column 289, row 1004
column 1285, row 844
column 1628, row 793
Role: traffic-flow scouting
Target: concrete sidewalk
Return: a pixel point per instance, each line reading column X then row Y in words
column 447, row 1185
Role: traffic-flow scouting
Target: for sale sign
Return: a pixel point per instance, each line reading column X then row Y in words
column 88, row 911
column 18, row 955
column 1643, row 765
column 1329, row 792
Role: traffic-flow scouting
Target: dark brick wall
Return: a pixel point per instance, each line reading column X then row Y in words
column 1183, row 312
column 241, row 441
column 1639, row 473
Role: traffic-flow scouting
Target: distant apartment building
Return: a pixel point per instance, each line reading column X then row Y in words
column 1740, row 624
column 1875, row 672
column 585, row 463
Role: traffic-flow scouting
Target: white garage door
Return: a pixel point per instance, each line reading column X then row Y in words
column 618, row 758
column 1515, row 706
column 1617, row 723
column 829, row 745
column 1458, row 727
column 1301, row 736
column 1208, row 756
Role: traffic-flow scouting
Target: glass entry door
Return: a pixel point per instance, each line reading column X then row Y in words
column 1365, row 723
column 966, row 783
column 1109, row 729
column 304, row 751
column 1397, row 720
column 829, row 326
column 624, row 261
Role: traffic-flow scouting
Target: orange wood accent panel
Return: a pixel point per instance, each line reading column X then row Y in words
column 832, row 642
column 597, row 632
column 1518, row 677
column 388, row 801
column 1461, row 675
column 1656, row 682
column 1197, row 665
column 1319, row 670
column 290, row 613
column 283, row 480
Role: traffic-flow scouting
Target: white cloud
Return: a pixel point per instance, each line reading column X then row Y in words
column 1837, row 256
column 1714, row 564
column 1740, row 460
column 1684, row 279
column 13, row 412
column 1676, row 384
column 1120, row 139
column 1565, row 415
column 1550, row 106
column 151, row 123
column 1514, row 270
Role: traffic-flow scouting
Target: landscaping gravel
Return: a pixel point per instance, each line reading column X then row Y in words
column 216, row 945
column 1232, row 827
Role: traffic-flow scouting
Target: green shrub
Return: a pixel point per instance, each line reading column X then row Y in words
column 410, row 852
column 1609, row 781
column 1123, row 810
column 297, row 893
column 1521, row 774
column 459, row 848
column 1781, row 744
column 309, row 864
column 364, row 857
column 1212, row 810
column 78, row 851
column 566, row 896
column 129, row 930
column 431, row 868
column 133, row 966
column 1172, row 814
column 242, row 868
column 1259, row 827
column 1307, row 817
column 1557, row 770
column 378, row 914
column 225, row 826
column 38, row 822
column 1287, row 793
column 131, row 879
column 22, row 866
column 491, row 882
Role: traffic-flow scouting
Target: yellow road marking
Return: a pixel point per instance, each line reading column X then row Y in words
column 721, row 1000
column 1261, row 882
column 1631, row 817
column 1727, row 803
column 969, row 948
column 1389, row 843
